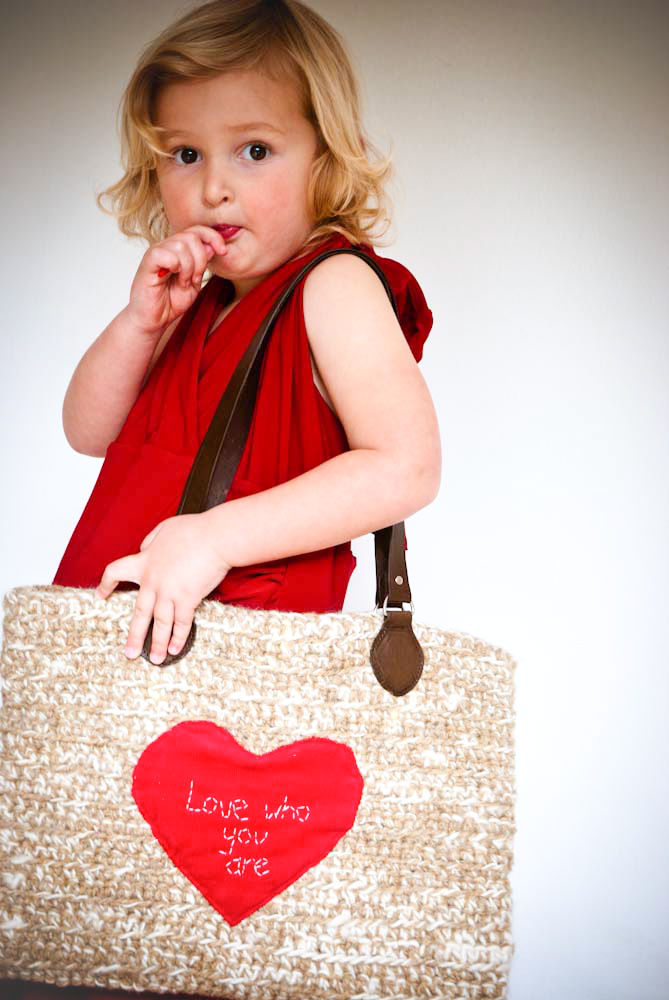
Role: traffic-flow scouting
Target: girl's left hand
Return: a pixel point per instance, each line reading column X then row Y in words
column 177, row 566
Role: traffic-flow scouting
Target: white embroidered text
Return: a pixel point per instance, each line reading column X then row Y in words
column 243, row 835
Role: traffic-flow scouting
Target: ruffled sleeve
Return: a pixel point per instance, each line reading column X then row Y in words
column 414, row 315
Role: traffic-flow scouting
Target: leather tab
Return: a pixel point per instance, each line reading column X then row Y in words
column 170, row 658
column 396, row 655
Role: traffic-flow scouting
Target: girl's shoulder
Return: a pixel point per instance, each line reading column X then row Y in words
column 345, row 278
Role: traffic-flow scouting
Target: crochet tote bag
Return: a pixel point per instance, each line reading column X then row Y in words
column 301, row 806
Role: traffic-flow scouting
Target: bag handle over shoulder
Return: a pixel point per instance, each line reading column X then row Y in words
column 396, row 656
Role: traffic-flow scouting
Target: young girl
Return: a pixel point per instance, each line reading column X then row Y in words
column 245, row 157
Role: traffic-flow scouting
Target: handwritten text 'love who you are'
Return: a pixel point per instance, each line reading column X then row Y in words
column 243, row 836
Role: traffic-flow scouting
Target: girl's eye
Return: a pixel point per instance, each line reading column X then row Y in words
column 186, row 155
column 255, row 151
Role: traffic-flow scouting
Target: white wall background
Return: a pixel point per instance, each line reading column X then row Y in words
column 531, row 141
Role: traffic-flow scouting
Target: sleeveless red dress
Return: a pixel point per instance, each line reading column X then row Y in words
column 293, row 430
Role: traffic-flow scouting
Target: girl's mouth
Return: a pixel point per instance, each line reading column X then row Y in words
column 227, row 232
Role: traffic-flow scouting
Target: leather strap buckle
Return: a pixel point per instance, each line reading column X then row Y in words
column 406, row 606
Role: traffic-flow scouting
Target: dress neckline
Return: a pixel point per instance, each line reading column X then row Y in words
column 224, row 296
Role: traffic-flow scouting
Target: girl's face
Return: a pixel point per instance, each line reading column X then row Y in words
column 241, row 153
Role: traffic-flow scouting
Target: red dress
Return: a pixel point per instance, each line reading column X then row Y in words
column 293, row 430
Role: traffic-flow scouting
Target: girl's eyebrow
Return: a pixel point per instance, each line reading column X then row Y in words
column 242, row 127
column 250, row 126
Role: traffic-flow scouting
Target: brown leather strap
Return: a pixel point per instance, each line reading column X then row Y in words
column 221, row 451
column 218, row 459
column 392, row 583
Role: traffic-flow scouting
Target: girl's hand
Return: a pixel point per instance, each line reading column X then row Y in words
column 176, row 567
column 170, row 275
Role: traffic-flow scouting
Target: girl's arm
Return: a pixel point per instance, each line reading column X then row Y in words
column 106, row 383
column 392, row 470
column 109, row 377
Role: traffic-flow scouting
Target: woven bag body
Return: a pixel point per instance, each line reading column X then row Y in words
column 413, row 901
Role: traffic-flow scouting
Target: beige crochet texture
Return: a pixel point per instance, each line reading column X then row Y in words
column 413, row 902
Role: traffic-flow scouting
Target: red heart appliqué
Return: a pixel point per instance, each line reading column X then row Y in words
column 241, row 826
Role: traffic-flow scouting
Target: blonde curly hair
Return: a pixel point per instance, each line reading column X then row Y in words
column 283, row 39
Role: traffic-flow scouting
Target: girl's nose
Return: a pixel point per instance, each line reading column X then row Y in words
column 216, row 189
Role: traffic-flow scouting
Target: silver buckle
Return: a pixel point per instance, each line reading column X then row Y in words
column 386, row 609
